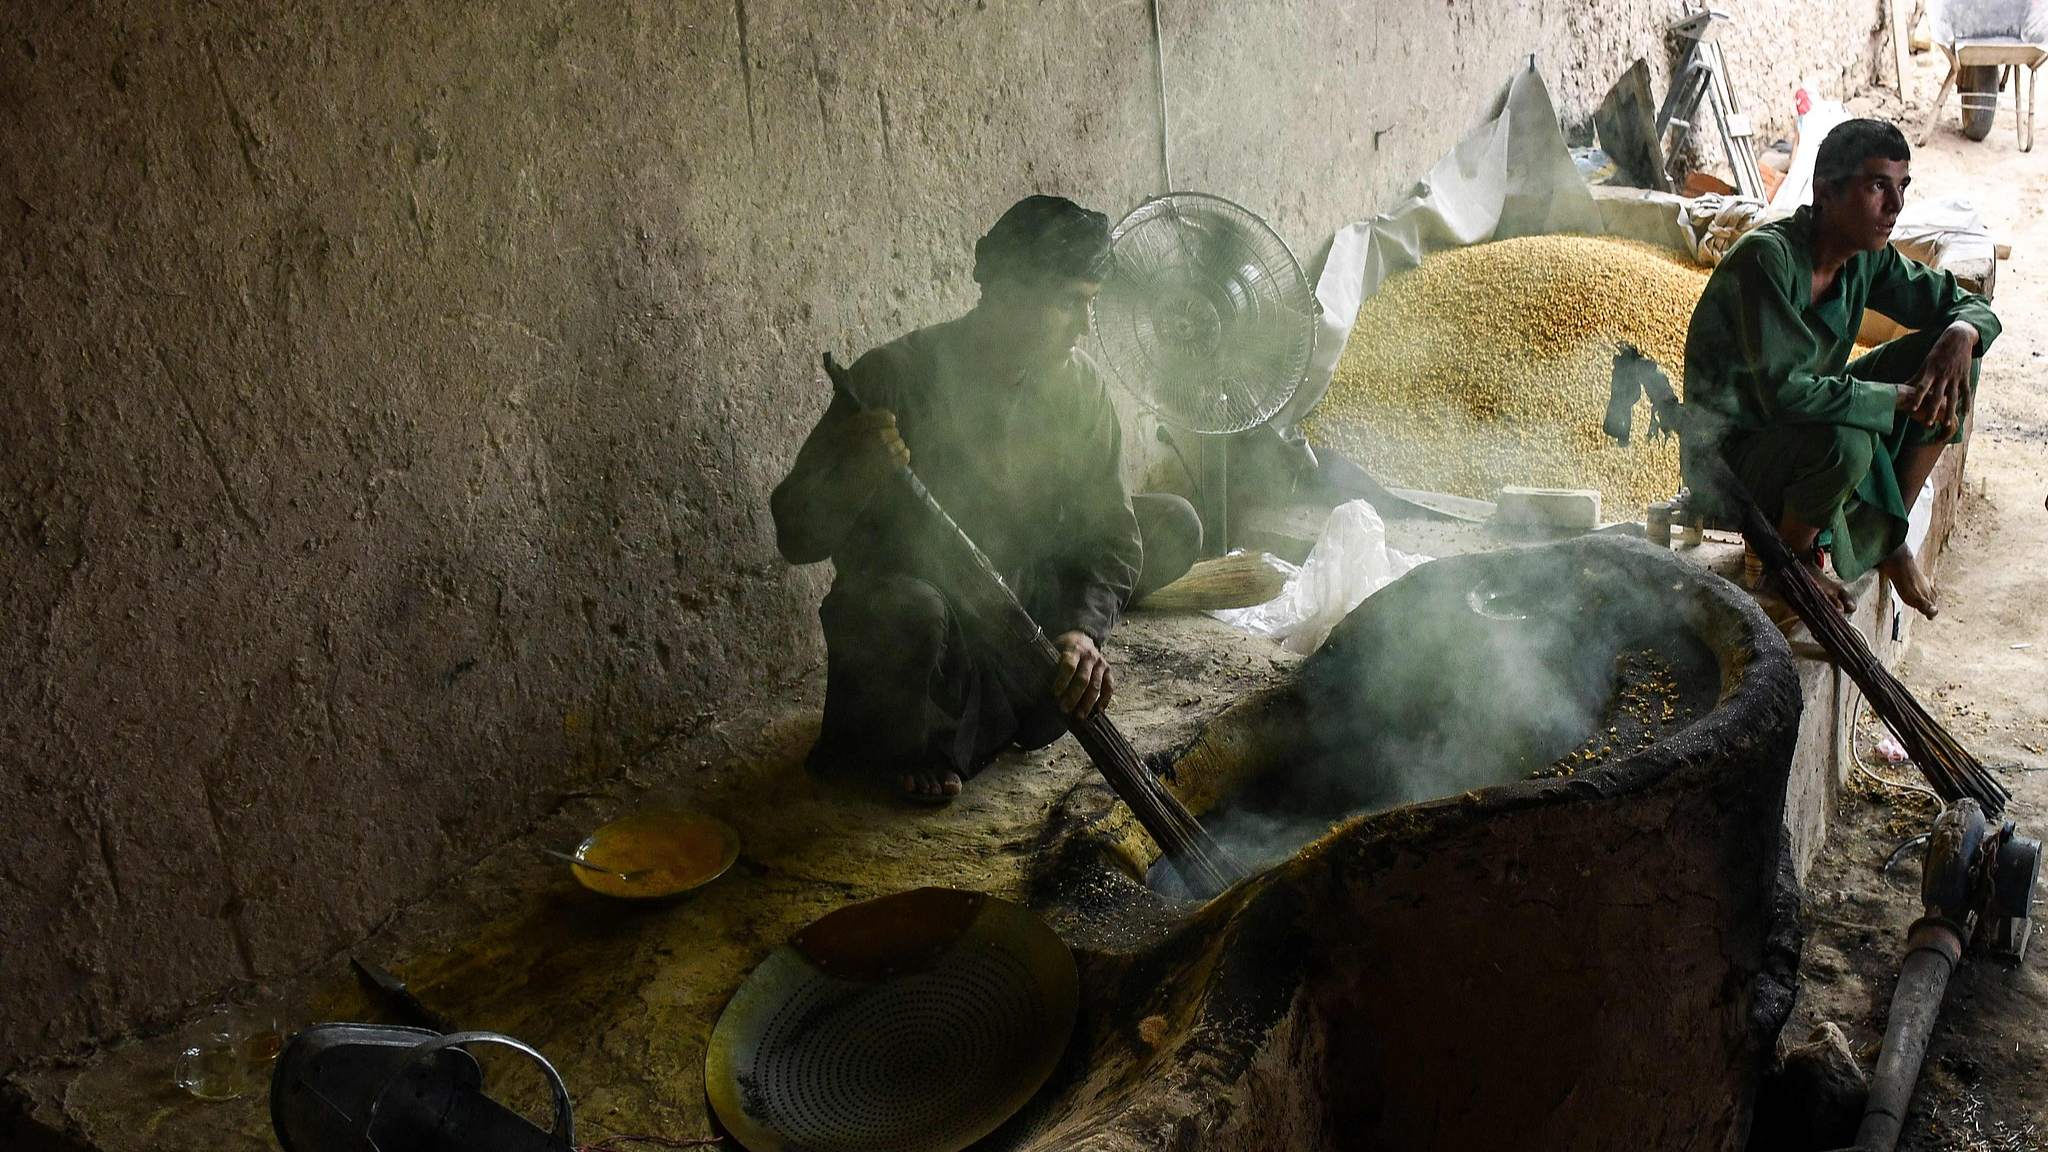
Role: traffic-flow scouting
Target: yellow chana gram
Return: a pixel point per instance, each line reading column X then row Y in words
column 1488, row 366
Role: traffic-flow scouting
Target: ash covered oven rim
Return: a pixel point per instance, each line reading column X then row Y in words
column 1757, row 675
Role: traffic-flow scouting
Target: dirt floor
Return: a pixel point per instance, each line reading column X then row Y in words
column 620, row 996
column 1983, row 665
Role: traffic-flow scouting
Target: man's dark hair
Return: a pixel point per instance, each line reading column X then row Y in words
column 1842, row 154
column 1044, row 237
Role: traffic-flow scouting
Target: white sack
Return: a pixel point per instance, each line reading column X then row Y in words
column 1944, row 232
column 1349, row 562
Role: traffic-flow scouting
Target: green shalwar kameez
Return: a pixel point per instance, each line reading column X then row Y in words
column 1807, row 429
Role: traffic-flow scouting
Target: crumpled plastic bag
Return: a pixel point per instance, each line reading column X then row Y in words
column 1349, row 562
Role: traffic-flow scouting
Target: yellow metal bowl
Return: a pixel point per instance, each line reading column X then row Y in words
column 673, row 851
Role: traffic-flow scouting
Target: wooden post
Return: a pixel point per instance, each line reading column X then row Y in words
column 1902, row 34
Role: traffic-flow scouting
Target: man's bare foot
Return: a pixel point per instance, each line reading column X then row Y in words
column 928, row 787
column 1910, row 582
column 1835, row 591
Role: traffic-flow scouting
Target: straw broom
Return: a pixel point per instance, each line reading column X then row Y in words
column 1950, row 768
column 1241, row 580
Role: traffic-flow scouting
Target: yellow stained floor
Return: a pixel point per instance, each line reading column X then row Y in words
column 622, row 995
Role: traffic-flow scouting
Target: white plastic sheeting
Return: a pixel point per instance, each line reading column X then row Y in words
column 1512, row 176
column 1349, row 562
column 1819, row 120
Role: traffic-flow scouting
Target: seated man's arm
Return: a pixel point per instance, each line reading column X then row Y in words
column 1923, row 298
column 1103, row 549
column 1928, row 300
column 842, row 462
column 1780, row 351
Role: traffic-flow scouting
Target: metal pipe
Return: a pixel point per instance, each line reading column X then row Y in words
column 1950, row 891
column 1933, row 946
column 1215, row 494
column 1159, row 61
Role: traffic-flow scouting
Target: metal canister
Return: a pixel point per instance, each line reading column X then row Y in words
column 1657, row 524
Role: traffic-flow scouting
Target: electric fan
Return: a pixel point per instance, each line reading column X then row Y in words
column 1207, row 319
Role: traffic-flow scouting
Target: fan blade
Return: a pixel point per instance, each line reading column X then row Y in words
column 1207, row 317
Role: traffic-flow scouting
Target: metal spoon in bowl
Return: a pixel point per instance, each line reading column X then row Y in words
column 626, row 877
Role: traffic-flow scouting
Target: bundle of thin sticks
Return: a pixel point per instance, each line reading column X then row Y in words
column 1031, row 660
column 1950, row 768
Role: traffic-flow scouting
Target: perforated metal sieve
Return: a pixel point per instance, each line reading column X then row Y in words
column 914, row 1023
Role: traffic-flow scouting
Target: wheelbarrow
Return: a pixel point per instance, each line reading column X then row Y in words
column 1991, row 44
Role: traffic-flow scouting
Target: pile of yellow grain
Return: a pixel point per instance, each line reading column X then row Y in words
column 1488, row 366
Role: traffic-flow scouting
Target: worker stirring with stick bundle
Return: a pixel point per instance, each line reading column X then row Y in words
column 1836, row 449
column 1013, row 433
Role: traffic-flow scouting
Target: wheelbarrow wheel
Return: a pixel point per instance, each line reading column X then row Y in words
column 1977, row 85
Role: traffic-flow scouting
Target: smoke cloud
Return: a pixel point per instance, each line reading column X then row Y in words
column 1469, row 673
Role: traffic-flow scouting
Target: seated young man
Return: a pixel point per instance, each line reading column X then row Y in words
column 1835, row 448
column 1008, row 424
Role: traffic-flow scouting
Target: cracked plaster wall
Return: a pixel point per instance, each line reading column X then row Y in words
column 390, row 392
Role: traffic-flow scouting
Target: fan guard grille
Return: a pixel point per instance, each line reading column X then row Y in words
column 1206, row 317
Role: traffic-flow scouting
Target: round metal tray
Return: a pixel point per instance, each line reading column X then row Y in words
column 678, row 851
column 916, row 1022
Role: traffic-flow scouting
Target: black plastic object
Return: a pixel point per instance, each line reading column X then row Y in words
column 2013, row 871
column 378, row 1088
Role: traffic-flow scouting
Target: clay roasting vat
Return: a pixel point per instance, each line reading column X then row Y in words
column 1593, row 960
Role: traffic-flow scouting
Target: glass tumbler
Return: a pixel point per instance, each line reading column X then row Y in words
column 226, row 1053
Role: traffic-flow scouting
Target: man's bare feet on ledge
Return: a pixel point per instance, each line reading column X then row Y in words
column 1836, row 593
column 1910, row 582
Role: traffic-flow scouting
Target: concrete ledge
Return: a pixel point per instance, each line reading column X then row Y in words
column 1826, row 748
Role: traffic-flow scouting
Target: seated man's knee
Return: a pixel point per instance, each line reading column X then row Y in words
column 1897, row 360
column 901, row 614
column 1171, row 532
column 1829, row 462
column 1848, row 453
column 1919, row 435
